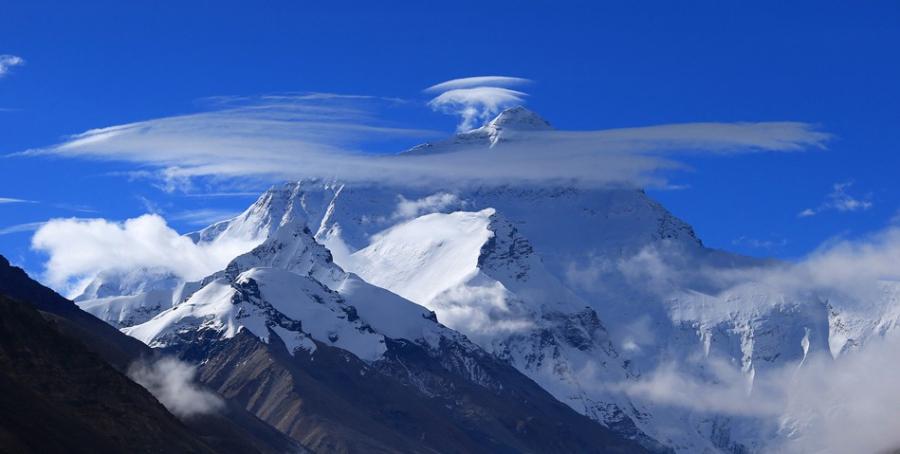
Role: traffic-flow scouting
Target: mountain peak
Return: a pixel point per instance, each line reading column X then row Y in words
column 502, row 128
column 519, row 118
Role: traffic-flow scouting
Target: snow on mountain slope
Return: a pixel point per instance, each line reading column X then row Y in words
column 502, row 128
column 426, row 256
column 411, row 366
column 290, row 285
column 126, row 299
column 578, row 288
column 296, row 308
column 482, row 277
column 129, row 310
column 470, row 267
column 110, row 283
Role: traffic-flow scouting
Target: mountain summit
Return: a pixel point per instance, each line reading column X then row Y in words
column 518, row 118
column 584, row 291
column 509, row 122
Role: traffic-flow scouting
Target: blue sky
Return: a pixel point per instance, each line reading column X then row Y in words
column 593, row 65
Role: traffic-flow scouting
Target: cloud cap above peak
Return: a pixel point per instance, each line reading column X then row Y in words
column 478, row 81
column 476, row 99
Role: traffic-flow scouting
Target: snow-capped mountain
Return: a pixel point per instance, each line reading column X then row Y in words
column 586, row 291
column 289, row 285
column 316, row 326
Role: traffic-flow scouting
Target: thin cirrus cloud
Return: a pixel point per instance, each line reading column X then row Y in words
column 305, row 136
column 203, row 216
column 5, row 200
column 19, row 228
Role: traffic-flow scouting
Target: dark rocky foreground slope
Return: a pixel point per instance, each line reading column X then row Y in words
column 62, row 387
column 62, row 373
column 56, row 396
column 410, row 401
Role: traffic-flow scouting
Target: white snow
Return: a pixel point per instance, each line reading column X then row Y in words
column 424, row 257
column 299, row 298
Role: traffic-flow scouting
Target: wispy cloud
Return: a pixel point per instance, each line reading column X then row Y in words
column 7, row 62
column 4, row 200
column 299, row 138
column 26, row 227
column 174, row 383
column 476, row 99
column 213, row 195
column 839, row 199
column 75, row 207
column 757, row 243
column 203, row 216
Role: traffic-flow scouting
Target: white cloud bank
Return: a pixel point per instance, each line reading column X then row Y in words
column 844, row 398
column 295, row 137
column 172, row 382
column 79, row 249
column 7, row 62
column 851, row 404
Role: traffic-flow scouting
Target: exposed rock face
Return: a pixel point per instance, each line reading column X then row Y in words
column 56, row 396
column 64, row 388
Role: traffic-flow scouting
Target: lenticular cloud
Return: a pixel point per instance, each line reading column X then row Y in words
column 476, row 99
